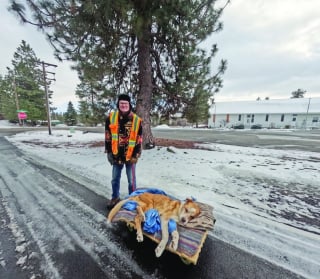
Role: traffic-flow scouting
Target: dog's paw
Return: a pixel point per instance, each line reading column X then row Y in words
column 159, row 250
column 175, row 240
column 139, row 237
column 173, row 244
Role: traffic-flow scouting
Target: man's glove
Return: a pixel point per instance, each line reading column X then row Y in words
column 133, row 160
column 110, row 158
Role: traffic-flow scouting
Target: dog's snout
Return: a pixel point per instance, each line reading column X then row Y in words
column 183, row 220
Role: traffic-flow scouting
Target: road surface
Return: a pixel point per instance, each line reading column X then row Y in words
column 54, row 226
column 277, row 139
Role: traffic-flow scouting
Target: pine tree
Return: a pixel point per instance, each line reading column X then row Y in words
column 26, row 82
column 299, row 93
column 8, row 105
column 198, row 110
column 70, row 117
column 94, row 103
column 149, row 49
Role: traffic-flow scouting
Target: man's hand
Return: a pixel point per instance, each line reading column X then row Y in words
column 133, row 160
column 110, row 158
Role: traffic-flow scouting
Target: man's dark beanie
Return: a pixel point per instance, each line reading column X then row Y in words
column 124, row 97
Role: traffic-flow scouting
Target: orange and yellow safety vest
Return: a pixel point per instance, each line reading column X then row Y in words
column 114, row 128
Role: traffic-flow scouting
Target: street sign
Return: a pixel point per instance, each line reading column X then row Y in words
column 22, row 115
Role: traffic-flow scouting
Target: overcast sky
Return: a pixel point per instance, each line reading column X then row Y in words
column 272, row 48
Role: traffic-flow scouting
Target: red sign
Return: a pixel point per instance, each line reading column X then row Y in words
column 22, row 115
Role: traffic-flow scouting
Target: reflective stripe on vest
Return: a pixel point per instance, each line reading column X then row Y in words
column 114, row 128
column 114, row 131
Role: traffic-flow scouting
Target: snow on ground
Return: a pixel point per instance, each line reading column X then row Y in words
column 265, row 201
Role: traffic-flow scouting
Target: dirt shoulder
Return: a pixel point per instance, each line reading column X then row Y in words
column 176, row 143
column 183, row 144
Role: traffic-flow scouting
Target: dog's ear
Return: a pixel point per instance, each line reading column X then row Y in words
column 190, row 199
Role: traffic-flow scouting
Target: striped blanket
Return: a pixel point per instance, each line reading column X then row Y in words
column 191, row 238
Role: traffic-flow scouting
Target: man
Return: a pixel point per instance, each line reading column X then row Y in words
column 123, row 144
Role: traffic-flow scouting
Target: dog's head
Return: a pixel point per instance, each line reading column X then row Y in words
column 188, row 211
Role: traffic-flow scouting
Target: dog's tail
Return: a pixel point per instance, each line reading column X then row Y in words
column 115, row 209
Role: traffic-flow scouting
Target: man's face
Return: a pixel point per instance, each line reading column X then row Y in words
column 124, row 106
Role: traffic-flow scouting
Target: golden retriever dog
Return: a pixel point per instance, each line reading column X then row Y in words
column 179, row 211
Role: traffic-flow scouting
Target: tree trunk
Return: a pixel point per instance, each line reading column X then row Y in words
column 144, row 97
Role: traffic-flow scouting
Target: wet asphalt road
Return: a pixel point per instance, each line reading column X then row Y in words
column 278, row 139
column 217, row 259
column 304, row 140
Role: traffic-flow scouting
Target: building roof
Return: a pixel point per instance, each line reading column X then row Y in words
column 296, row 105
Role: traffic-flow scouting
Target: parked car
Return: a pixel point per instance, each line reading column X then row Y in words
column 238, row 126
column 200, row 126
column 256, row 126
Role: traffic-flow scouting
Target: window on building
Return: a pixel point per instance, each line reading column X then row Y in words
column 267, row 117
column 282, row 117
column 252, row 118
column 315, row 119
column 294, row 117
column 248, row 118
column 239, row 117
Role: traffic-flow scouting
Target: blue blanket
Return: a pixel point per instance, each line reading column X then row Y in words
column 152, row 223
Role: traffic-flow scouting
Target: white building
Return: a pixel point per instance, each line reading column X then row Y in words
column 283, row 113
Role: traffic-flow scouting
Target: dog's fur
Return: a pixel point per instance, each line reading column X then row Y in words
column 181, row 212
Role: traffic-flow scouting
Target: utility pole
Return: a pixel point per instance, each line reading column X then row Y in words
column 44, row 65
column 307, row 113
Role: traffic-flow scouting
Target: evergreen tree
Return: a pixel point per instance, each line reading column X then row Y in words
column 27, row 83
column 57, row 116
column 299, row 93
column 149, row 49
column 93, row 103
column 198, row 110
column 70, row 117
column 7, row 100
column 85, row 114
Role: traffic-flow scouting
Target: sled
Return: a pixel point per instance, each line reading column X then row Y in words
column 191, row 238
